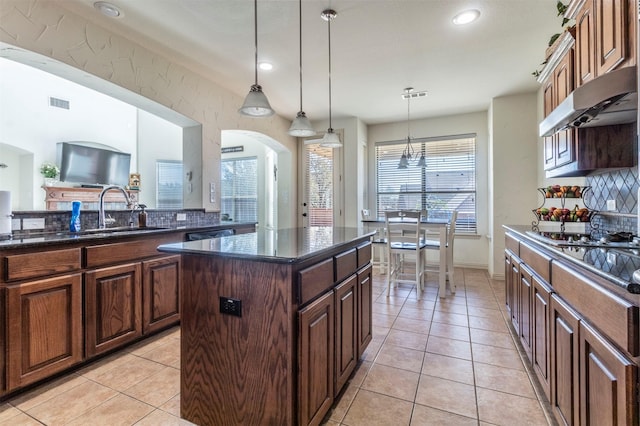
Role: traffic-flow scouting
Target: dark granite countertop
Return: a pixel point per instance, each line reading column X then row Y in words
column 278, row 246
column 615, row 264
column 66, row 237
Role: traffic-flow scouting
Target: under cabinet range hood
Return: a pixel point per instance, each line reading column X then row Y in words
column 611, row 98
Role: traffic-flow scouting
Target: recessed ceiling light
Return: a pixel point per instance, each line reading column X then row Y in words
column 265, row 66
column 107, row 9
column 466, row 17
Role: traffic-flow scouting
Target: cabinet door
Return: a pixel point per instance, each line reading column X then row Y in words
column 585, row 38
column 346, row 337
column 564, row 362
column 44, row 334
column 161, row 283
column 524, row 305
column 3, row 345
column 508, row 283
column 610, row 31
column 514, row 282
column 607, row 382
column 540, row 357
column 365, row 313
column 113, row 304
column 316, row 360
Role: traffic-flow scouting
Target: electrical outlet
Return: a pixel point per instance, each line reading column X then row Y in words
column 611, row 205
column 33, row 223
column 181, row 217
column 231, row 306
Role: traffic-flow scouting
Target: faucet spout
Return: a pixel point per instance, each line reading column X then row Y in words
column 101, row 218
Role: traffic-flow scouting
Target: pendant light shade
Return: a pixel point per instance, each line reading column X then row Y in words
column 256, row 103
column 301, row 126
column 330, row 139
column 409, row 153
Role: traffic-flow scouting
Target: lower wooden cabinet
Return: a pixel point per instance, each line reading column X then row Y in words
column 525, row 286
column 113, row 301
column 512, row 284
column 44, row 328
column 346, row 337
column 541, row 333
column 608, row 382
column 565, row 389
column 365, row 316
column 160, row 293
column 316, row 360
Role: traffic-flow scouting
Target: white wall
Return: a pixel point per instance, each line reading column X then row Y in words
column 469, row 251
column 513, row 123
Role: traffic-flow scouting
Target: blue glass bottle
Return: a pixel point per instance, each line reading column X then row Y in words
column 74, row 225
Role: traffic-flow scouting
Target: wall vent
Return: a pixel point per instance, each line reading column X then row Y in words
column 414, row 95
column 58, row 103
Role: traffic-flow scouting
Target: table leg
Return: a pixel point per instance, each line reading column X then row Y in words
column 442, row 277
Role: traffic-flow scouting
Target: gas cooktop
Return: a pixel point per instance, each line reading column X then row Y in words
column 609, row 240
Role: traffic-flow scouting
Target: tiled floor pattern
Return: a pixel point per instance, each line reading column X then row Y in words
column 431, row 362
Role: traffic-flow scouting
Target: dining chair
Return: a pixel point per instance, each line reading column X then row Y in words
column 434, row 244
column 404, row 250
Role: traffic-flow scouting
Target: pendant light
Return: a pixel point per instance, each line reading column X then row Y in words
column 330, row 139
column 409, row 153
column 256, row 103
column 301, row 126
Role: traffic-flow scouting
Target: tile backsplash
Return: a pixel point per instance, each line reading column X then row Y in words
column 619, row 185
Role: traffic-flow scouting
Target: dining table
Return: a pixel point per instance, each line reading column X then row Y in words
column 437, row 226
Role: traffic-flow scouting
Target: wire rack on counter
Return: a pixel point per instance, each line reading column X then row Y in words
column 565, row 204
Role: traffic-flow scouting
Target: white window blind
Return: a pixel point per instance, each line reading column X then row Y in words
column 169, row 184
column 239, row 189
column 319, row 185
column 447, row 183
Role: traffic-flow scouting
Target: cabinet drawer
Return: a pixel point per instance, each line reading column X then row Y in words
column 615, row 317
column 364, row 254
column 32, row 265
column 511, row 243
column 538, row 261
column 108, row 254
column 315, row 280
column 346, row 264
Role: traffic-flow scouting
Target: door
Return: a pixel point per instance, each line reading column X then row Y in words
column 321, row 197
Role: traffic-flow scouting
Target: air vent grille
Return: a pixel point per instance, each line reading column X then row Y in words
column 58, row 103
column 414, row 95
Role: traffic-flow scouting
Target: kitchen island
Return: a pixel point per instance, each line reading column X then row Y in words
column 273, row 323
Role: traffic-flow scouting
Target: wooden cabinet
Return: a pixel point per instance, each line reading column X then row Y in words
column 44, row 328
column 541, row 333
column 160, row 293
column 365, row 314
column 113, row 301
column 316, row 375
column 525, row 292
column 512, row 287
column 605, row 37
column 346, row 335
column 608, row 382
column 565, row 387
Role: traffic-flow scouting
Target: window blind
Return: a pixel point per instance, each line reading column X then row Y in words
column 169, row 184
column 447, row 183
column 319, row 185
column 239, row 189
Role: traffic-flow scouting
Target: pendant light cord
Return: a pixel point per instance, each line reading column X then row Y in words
column 255, row 33
column 329, row 27
column 300, row 20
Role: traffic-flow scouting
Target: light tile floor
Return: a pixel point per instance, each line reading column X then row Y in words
column 435, row 361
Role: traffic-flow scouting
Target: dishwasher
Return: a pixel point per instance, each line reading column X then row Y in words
column 205, row 235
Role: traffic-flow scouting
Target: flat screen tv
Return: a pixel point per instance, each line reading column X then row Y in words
column 92, row 165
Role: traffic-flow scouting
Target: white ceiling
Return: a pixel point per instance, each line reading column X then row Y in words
column 378, row 47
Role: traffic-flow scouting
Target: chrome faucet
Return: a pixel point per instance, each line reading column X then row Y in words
column 101, row 218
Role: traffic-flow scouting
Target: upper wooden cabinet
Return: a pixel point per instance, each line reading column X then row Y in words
column 605, row 36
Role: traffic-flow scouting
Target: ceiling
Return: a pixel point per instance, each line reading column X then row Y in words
column 378, row 47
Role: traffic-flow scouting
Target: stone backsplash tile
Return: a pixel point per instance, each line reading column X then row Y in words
column 56, row 221
column 621, row 186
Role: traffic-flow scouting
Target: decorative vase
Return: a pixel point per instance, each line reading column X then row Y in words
column 50, row 181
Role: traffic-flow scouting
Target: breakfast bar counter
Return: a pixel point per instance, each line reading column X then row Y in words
column 273, row 323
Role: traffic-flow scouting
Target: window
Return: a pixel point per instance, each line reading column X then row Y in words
column 169, row 187
column 447, row 183
column 239, row 189
column 319, row 185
